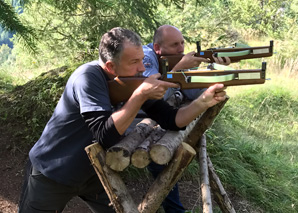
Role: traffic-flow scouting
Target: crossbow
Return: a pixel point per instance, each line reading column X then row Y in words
column 121, row 88
column 237, row 53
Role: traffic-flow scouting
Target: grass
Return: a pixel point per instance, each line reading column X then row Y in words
column 253, row 145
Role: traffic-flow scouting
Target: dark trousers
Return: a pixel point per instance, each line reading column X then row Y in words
column 172, row 202
column 41, row 194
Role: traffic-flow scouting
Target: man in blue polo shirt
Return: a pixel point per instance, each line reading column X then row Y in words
column 168, row 40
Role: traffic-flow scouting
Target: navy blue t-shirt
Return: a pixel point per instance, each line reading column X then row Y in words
column 59, row 153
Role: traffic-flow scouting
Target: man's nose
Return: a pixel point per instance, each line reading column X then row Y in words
column 141, row 67
column 181, row 48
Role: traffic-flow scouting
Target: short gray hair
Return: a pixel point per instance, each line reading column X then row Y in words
column 112, row 43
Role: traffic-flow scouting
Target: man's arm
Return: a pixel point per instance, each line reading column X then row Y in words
column 190, row 60
column 209, row 98
column 151, row 88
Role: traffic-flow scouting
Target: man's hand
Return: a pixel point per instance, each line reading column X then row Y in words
column 219, row 60
column 213, row 95
column 152, row 88
column 189, row 61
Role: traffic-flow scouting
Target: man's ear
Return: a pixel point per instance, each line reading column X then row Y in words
column 111, row 68
column 156, row 48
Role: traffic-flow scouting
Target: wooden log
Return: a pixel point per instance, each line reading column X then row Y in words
column 118, row 156
column 167, row 179
column 141, row 157
column 203, row 123
column 204, row 176
column 218, row 190
column 163, row 150
column 111, row 181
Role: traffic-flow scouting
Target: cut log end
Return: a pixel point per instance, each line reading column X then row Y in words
column 140, row 158
column 160, row 154
column 117, row 161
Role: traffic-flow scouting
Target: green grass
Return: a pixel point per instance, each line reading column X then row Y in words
column 253, row 146
column 25, row 109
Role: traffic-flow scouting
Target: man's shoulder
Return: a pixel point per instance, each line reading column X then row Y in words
column 90, row 71
column 150, row 59
column 148, row 48
column 90, row 65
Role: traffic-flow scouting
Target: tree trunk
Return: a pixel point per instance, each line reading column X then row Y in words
column 111, row 181
column 118, row 156
column 167, row 179
column 163, row 150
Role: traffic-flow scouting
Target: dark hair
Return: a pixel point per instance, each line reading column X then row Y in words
column 112, row 42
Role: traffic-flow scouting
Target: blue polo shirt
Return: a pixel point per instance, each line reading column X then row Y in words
column 151, row 65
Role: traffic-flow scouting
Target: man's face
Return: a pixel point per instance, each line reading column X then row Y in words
column 131, row 61
column 172, row 43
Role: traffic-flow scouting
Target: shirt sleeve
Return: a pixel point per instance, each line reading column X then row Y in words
column 162, row 113
column 91, row 92
column 102, row 127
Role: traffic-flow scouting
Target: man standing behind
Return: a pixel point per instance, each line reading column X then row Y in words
column 168, row 40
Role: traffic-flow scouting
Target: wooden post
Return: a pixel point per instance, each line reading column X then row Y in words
column 167, row 179
column 141, row 157
column 118, row 156
column 163, row 150
column 204, row 176
column 111, row 181
column 219, row 192
column 203, row 123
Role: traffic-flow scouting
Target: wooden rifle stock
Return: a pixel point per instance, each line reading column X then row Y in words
column 237, row 53
column 121, row 88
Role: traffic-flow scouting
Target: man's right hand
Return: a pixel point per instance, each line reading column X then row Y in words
column 189, row 61
column 152, row 88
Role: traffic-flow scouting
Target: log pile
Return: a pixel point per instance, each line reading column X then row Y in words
column 148, row 142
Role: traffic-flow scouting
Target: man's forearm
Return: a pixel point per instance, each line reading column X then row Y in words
column 188, row 113
column 125, row 116
column 212, row 96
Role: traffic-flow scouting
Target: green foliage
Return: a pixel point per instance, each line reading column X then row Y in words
column 5, row 51
column 5, row 38
column 73, row 28
column 253, row 146
column 10, row 21
column 265, row 17
column 27, row 108
column 207, row 22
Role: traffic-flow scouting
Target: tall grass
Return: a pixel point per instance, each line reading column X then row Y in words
column 253, row 143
